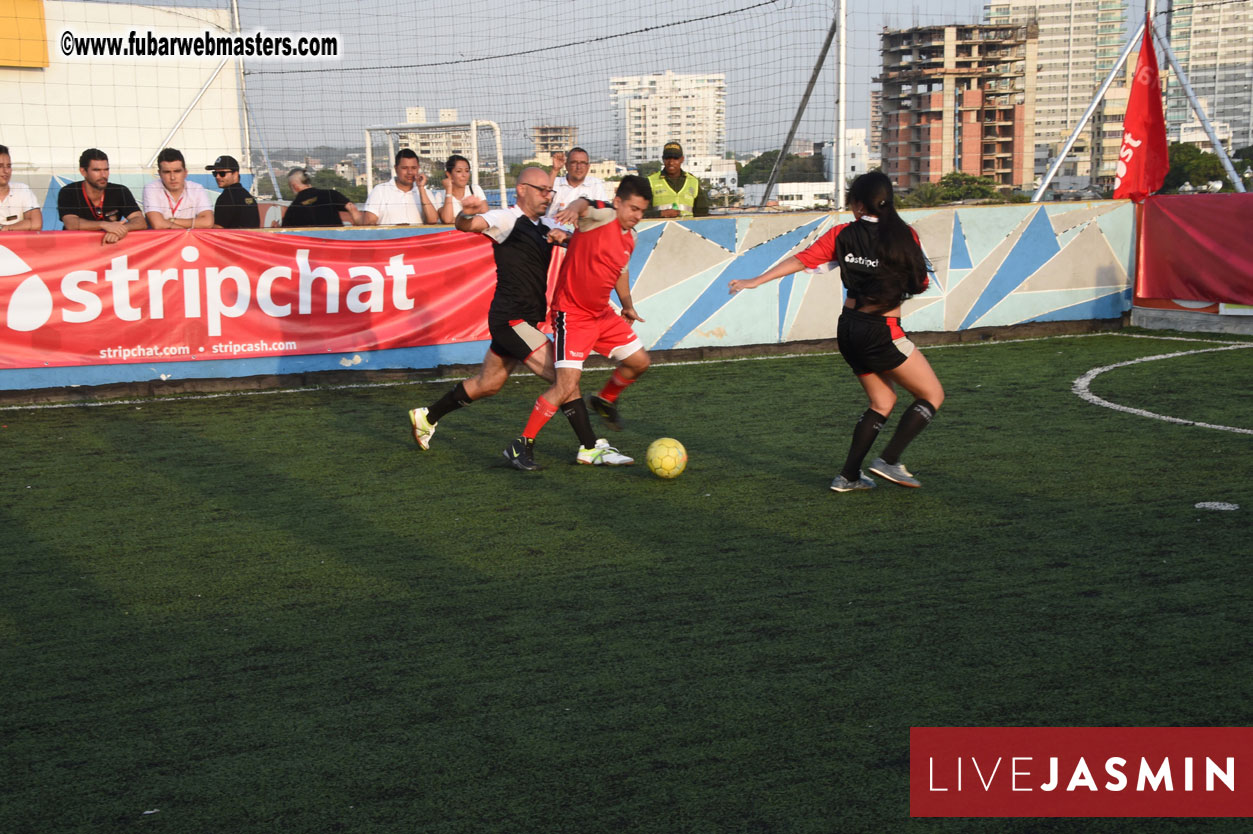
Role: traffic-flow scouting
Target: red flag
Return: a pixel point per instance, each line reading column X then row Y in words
column 1143, row 159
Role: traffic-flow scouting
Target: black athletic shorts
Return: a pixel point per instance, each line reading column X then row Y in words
column 516, row 339
column 871, row 344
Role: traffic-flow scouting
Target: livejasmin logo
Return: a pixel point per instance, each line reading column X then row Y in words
column 1080, row 771
column 1077, row 775
column 213, row 293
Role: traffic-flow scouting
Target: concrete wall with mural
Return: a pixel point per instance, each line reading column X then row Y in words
column 994, row 266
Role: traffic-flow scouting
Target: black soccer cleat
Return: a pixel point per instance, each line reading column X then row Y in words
column 607, row 411
column 521, row 454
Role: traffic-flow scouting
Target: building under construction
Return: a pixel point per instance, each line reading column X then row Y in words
column 959, row 98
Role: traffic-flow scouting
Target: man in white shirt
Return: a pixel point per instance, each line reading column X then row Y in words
column 575, row 184
column 402, row 200
column 19, row 210
column 172, row 202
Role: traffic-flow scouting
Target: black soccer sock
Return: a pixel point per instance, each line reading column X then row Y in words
column 916, row 418
column 576, row 413
column 454, row 399
column 864, row 435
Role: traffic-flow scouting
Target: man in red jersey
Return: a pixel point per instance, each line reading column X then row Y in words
column 584, row 321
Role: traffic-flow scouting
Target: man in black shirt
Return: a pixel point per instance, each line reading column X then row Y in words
column 317, row 206
column 94, row 204
column 235, row 208
column 522, row 248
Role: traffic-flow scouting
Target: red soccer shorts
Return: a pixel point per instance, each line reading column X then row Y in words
column 577, row 335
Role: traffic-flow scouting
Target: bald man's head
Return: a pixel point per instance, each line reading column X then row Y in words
column 534, row 194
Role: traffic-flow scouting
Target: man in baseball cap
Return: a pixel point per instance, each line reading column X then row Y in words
column 675, row 192
column 235, row 208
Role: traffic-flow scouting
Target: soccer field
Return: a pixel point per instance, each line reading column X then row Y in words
column 272, row 613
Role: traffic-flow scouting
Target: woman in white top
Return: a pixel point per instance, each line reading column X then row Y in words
column 19, row 210
column 456, row 187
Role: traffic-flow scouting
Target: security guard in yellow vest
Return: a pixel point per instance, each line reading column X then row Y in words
column 675, row 192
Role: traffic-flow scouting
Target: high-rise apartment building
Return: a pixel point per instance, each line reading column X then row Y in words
column 874, row 147
column 549, row 139
column 958, row 98
column 1107, row 126
column 438, row 144
column 1214, row 46
column 1079, row 41
column 651, row 110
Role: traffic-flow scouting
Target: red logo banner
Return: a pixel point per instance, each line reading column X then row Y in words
column 1143, row 159
column 1081, row 771
column 67, row 299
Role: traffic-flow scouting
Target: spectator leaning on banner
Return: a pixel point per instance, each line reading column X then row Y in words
column 19, row 210
column 171, row 202
column 675, row 192
column 403, row 200
column 575, row 184
column 235, row 208
column 317, row 206
column 93, row 204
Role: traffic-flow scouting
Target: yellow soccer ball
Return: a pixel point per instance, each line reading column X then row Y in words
column 666, row 458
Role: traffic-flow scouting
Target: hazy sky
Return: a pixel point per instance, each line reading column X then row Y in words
column 550, row 61
column 461, row 55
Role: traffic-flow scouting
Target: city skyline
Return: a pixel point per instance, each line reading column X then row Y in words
column 1214, row 45
column 566, row 80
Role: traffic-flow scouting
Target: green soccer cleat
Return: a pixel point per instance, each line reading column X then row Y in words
column 602, row 454
column 422, row 430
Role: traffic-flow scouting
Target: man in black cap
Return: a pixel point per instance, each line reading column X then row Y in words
column 235, row 208
column 676, row 193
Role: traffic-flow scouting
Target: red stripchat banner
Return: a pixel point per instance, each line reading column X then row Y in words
column 68, row 299
column 1081, row 771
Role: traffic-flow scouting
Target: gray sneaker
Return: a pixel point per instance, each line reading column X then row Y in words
column 842, row 484
column 894, row 472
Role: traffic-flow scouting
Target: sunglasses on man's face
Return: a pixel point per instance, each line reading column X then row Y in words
column 220, row 174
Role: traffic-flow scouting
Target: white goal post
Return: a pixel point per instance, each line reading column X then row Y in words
column 393, row 132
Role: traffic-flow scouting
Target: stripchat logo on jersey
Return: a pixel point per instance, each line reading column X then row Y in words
column 871, row 263
column 1081, row 771
column 66, row 298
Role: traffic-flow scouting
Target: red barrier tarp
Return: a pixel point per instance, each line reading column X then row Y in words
column 1197, row 247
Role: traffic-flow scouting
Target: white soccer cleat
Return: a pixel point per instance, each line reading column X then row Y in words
column 602, row 454
column 422, row 430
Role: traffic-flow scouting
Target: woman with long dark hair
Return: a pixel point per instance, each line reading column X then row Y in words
column 881, row 264
column 457, row 187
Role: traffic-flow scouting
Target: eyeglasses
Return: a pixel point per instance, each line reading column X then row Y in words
column 539, row 188
column 220, row 174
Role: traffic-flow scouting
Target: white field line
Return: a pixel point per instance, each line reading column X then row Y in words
column 1082, row 387
column 448, row 379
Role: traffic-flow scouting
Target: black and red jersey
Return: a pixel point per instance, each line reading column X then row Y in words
column 854, row 249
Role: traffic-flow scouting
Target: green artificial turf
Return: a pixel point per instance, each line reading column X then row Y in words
column 272, row 613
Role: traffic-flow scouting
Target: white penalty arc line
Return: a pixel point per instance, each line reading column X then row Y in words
column 1082, row 388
